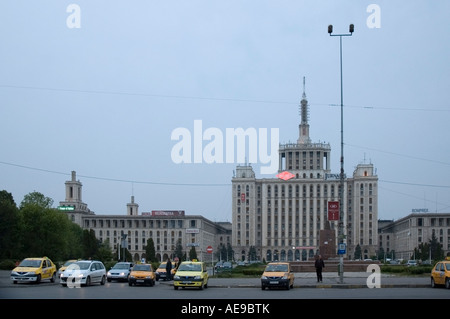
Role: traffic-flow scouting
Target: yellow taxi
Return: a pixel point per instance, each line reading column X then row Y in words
column 142, row 274
column 161, row 272
column 191, row 274
column 34, row 270
column 277, row 274
column 440, row 274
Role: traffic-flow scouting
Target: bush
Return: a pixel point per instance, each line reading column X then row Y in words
column 7, row 264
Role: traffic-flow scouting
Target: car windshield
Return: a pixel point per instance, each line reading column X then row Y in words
column 79, row 265
column 30, row 263
column 190, row 267
column 276, row 268
column 121, row 266
column 142, row 268
column 447, row 266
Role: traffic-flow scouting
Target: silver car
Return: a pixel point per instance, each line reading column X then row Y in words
column 120, row 271
column 83, row 273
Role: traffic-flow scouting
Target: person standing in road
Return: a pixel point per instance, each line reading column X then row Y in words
column 168, row 269
column 319, row 264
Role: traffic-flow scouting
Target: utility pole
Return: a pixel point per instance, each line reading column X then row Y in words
column 341, row 234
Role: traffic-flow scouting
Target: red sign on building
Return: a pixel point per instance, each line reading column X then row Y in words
column 333, row 210
column 243, row 197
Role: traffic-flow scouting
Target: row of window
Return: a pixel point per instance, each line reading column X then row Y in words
column 317, row 189
column 138, row 223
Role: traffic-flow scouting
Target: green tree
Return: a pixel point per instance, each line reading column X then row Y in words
column 192, row 253
column 9, row 226
column 37, row 199
column 358, row 252
column 252, row 253
column 104, row 252
column 436, row 248
column 150, row 251
column 178, row 250
column 230, row 252
column 90, row 244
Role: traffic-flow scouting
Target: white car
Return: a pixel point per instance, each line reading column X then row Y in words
column 411, row 263
column 83, row 273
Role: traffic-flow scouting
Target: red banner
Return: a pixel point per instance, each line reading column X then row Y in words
column 333, row 210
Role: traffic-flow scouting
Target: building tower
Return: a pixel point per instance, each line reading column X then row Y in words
column 132, row 208
column 74, row 190
column 303, row 128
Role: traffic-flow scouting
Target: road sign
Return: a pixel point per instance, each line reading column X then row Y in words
column 209, row 249
column 342, row 249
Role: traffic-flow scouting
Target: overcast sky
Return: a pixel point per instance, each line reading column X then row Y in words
column 100, row 87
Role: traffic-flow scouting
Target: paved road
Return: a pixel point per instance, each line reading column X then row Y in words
column 308, row 280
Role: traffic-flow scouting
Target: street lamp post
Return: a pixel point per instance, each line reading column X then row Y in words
column 341, row 234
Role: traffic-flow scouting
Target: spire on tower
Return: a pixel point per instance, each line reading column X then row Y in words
column 304, row 126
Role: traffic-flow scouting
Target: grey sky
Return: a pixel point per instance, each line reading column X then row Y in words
column 104, row 99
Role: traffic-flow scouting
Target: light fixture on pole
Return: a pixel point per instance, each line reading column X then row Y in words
column 341, row 235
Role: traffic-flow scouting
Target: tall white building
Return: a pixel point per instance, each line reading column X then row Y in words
column 281, row 217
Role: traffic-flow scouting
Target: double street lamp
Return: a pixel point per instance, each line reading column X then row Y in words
column 341, row 235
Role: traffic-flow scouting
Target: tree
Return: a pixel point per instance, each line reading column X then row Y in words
column 358, row 252
column 252, row 253
column 192, row 253
column 36, row 198
column 150, row 251
column 90, row 244
column 178, row 250
column 9, row 225
column 436, row 248
column 230, row 252
column 104, row 252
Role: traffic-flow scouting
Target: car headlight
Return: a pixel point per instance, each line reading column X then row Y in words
column 285, row 276
column 197, row 277
column 108, row 274
column 176, row 277
column 263, row 277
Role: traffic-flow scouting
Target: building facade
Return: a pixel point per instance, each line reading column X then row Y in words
column 401, row 237
column 166, row 228
column 282, row 217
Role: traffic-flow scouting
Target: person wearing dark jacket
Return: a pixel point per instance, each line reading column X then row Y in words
column 319, row 264
column 169, row 269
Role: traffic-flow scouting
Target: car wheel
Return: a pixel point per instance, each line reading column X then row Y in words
column 15, row 282
column 263, row 287
column 152, row 283
column 433, row 284
column 175, row 287
column 38, row 280
column 130, row 283
column 103, row 281
column 53, row 277
column 88, row 281
column 447, row 283
column 109, row 279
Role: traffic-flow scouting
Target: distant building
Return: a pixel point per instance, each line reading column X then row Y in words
column 166, row 228
column 282, row 218
column 400, row 237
